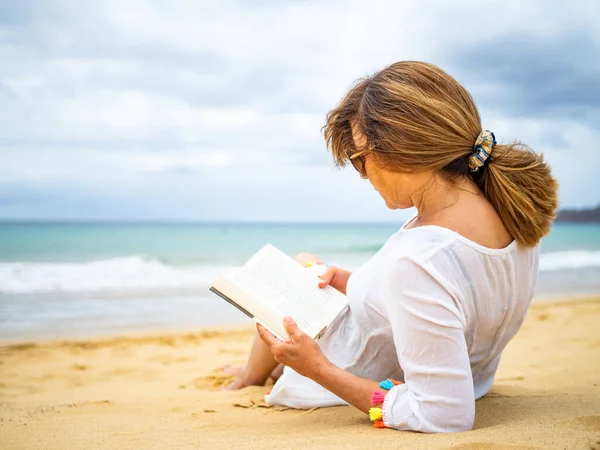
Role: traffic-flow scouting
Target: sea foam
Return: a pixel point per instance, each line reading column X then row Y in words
column 573, row 259
column 137, row 273
column 130, row 273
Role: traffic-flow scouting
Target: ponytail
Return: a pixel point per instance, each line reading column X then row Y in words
column 520, row 186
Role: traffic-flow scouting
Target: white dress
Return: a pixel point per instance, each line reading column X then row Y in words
column 434, row 310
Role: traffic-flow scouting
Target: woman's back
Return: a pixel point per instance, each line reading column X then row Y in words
column 491, row 288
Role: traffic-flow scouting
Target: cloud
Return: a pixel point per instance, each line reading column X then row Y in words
column 213, row 109
column 561, row 83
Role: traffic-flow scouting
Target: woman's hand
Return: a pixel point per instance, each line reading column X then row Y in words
column 335, row 277
column 301, row 352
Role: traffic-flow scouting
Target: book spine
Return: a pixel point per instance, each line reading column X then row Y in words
column 228, row 300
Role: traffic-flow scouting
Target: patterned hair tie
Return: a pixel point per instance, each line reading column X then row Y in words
column 483, row 149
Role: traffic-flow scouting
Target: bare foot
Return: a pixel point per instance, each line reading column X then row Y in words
column 238, row 371
column 239, row 383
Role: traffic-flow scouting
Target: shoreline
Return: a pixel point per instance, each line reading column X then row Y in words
column 231, row 326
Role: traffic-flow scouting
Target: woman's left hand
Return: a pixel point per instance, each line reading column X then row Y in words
column 301, row 352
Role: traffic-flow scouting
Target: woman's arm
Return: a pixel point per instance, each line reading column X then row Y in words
column 428, row 328
column 304, row 356
column 428, row 334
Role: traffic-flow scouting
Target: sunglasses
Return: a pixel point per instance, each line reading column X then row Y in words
column 358, row 161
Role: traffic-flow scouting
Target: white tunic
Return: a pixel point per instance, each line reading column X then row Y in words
column 432, row 309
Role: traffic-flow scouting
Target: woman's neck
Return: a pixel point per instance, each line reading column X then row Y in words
column 462, row 208
column 437, row 197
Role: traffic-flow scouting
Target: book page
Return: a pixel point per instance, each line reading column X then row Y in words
column 240, row 298
column 280, row 283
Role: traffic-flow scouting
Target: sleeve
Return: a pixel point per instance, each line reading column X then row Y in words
column 428, row 332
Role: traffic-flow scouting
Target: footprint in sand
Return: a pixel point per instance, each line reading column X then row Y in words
column 590, row 422
column 214, row 381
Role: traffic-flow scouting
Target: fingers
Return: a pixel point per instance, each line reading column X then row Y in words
column 267, row 337
column 292, row 328
column 327, row 276
column 276, row 347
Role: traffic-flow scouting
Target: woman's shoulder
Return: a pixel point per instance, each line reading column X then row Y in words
column 420, row 242
column 442, row 254
column 424, row 242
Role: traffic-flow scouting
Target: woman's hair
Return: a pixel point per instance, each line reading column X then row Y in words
column 416, row 117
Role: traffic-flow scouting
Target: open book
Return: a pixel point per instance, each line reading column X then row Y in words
column 271, row 285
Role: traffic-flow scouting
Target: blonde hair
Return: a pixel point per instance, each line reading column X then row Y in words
column 416, row 117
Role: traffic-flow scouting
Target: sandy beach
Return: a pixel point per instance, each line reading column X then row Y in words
column 162, row 391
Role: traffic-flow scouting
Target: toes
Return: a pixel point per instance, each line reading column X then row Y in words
column 232, row 370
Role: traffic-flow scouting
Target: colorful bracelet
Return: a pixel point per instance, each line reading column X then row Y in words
column 378, row 397
column 375, row 414
column 389, row 384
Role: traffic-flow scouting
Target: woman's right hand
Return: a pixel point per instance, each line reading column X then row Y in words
column 335, row 277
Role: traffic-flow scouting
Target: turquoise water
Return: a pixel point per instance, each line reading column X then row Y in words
column 221, row 243
column 181, row 244
column 86, row 279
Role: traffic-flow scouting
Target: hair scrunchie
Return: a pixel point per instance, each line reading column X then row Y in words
column 483, row 149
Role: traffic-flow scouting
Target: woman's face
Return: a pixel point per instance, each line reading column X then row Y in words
column 395, row 188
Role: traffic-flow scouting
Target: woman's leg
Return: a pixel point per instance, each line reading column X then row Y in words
column 261, row 363
column 258, row 368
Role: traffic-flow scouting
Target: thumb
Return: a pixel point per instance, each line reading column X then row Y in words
column 266, row 335
column 327, row 276
column 292, row 328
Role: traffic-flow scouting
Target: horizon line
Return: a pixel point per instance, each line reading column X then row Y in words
column 185, row 222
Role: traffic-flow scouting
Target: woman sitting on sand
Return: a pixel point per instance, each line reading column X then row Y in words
column 435, row 307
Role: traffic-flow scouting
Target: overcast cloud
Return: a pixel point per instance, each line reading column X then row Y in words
column 211, row 110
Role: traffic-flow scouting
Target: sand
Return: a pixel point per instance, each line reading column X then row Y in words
column 161, row 392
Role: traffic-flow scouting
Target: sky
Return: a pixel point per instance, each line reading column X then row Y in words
column 211, row 110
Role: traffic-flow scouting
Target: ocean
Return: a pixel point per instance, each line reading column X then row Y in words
column 85, row 280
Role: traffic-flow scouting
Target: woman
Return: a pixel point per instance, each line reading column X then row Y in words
column 435, row 307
